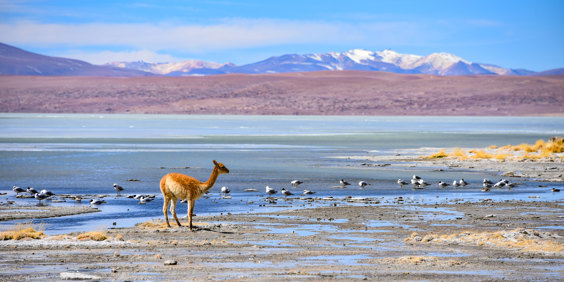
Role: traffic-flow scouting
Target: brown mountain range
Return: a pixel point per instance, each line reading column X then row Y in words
column 311, row 93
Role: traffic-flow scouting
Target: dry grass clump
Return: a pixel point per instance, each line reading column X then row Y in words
column 522, row 240
column 421, row 260
column 440, row 154
column 94, row 236
column 21, row 231
column 549, row 149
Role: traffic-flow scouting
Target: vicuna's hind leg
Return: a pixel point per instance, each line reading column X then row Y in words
column 190, row 212
column 173, row 210
column 165, row 207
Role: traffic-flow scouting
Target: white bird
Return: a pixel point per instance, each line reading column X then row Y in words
column 142, row 200
column 486, row 185
column 225, row 190
column 31, row 190
column 499, row 184
column 363, row 184
column 462, row 182
column 455, row 183
column 422, row 182
column 308, row 192
column 416, row 177
column 286, row 192
column 270, row 191
column 414, row 181
column 118, row 188
column 18, row 189
column 401, row 182
column 47, row 192
column 96, row 202
column 40, row 196
column 487, row 181
column 344, row 183
column 443, row 184
column 296, row 182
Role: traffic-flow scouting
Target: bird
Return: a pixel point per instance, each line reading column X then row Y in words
column 555, row 190
column 225, row 190
column 462, row 182
column 455, row 183
column 270, row 191
column 344, row 183
column 416, row 177
column 487, row 181
column 486, row 185
column 144, row 199
column 118, row 188
column 308, row 192
column 18, row 189
column 47, row 192
column 96, row 202
column 401, row 182
column 363, row 184
column 31, row 190
column 286, row 192
column 500, row 184
column 443, row 184
column 40, row 196
column 422, row 182
column 296, row 182
column 131, row 196
column 414, row 181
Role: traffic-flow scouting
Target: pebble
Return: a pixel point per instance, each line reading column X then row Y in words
column 170, row 262
column 78, row 276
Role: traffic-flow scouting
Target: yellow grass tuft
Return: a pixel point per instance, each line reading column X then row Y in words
column 440, row 154
column 94, row 236
column 481, row 154
column 21, row 231
column 460, row 154
column 540, row 150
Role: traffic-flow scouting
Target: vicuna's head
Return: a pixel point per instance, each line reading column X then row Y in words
column 220, row 167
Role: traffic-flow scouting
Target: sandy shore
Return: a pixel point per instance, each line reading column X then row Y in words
column 386, row 241
column 341, row 239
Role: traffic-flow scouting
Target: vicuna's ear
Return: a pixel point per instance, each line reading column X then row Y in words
column 215, row 163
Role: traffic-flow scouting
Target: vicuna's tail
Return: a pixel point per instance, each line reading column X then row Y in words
column 163, row 184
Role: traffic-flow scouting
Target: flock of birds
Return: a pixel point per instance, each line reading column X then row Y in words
column 416, row 181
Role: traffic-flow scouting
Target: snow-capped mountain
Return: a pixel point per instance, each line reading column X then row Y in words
column 356, row 59
column 171, row 69
column 386, row 60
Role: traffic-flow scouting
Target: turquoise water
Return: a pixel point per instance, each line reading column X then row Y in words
column 86, row 154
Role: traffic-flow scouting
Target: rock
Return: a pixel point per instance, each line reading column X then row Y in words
column 509, row 174
column 78, row 276
column 170, row 262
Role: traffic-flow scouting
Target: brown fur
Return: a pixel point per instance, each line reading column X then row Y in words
column 175, row 186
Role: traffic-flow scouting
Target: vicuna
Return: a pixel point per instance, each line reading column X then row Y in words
column 175, row 186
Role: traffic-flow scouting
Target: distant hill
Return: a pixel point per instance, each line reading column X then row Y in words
column 15, row 61
column 304, row 93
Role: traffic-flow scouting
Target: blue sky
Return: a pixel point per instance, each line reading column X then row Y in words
column 515, row 34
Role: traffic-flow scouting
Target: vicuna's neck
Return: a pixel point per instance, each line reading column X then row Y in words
column 211, row 181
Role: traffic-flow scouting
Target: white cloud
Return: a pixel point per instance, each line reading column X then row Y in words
column 223, row 35
column 127, row 56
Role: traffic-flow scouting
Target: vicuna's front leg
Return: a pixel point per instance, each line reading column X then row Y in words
column 173, row 210
column 165, row 207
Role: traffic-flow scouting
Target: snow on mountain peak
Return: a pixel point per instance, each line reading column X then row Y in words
column 442, row 61
column 359, row 55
